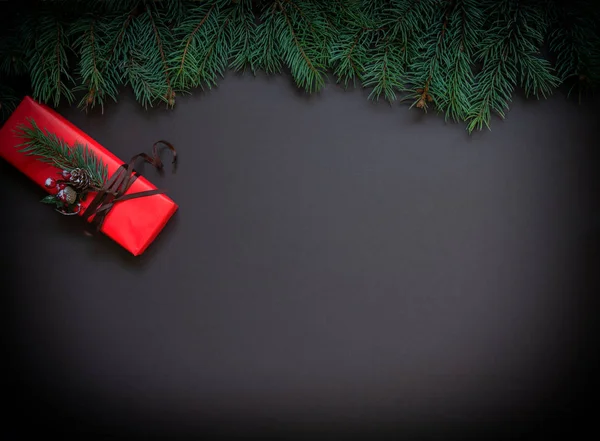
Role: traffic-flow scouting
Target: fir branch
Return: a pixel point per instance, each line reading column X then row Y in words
column 463, row 34
column 348, row 51
column 492, row 93
column 301, row 45
column 348, row 55
column 100, row 79
column 206, row 37
column 268, row 53
column 50, row 78
column 192, row 32
column 145, row 63
column 330, row 18
column 385, row 74
column 175, row 10
column 242, row 36
column 215, row 59
column 575, row 41
column 170, row 94
column 510, row 56
column 392, row 36
column 427, row 70
column 49, row 148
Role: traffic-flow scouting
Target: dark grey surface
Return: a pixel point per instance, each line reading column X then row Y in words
column 335, row 264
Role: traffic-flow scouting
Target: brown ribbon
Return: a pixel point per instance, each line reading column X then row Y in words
column 115, row 188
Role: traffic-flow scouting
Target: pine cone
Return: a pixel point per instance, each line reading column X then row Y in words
column 80, row 179
column 70, row 195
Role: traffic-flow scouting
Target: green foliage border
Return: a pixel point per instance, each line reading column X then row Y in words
column 464, row 58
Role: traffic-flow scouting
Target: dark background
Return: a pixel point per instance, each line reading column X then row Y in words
column 337, row 267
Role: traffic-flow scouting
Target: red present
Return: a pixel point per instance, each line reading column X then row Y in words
column 134, row 223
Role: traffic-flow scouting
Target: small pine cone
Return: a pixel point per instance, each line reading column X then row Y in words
column 80, row 179
column 70, row 195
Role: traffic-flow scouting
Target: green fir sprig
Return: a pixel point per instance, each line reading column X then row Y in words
column 511, row 57
column 49, row 148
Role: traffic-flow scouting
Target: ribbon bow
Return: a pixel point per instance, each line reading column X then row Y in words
column 115, row 188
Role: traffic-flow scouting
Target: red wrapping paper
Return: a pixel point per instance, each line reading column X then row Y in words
column 135, row 223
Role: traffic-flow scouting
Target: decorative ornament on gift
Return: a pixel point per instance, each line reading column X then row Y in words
column 66, row 200
column 50, row 183
column 68, row 195
column 80, row 179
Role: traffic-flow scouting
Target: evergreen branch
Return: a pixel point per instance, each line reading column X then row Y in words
column 575, row 41
column 492, row 93
column 386, row 74
column 206, row 40
column 188, row 42
column 267, row 53
column 243, row 36
column 427, row 69
column 348, row 55
column 349, row 48
column 49, row 148
column 49, row 64
column 175, row 11
column 147, row 41
column 99, row 79
column 100, row 39
column 510, row 56
column 391, row 32
column 297, row 44
column 170, row 94
column 464, row 34
column 214, row 60
column 309, row 64
column 537, row 76
column 119, row 43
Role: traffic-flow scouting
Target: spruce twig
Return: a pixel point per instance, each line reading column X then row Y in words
column 99, row 77
column 148, row 40
column 300, row 46
column 574, row 39
column 510, row 57
column 49, row 66
column 243, row 36
column 427, row 69
column 49, row 148
column 462, row 37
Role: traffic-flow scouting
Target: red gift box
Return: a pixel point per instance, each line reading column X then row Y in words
column 135, row 223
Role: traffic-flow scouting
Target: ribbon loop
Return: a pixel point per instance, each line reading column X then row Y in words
column 117, row 185
column 168, row 145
